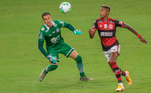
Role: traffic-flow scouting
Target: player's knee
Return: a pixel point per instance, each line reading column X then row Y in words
column 78, row 59
column 112, row 60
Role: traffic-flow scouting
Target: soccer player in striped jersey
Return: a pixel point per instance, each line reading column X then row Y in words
column 51, row 33
column 106, row 27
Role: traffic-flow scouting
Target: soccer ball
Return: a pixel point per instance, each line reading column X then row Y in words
column 65, row 7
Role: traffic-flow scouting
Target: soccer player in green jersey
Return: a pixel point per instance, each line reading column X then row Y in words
column 50, row 33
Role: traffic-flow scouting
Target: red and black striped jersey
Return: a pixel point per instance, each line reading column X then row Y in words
column 107, row 31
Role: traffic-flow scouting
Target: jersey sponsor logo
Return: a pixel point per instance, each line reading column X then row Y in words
column 55, row 39
column 106, row 34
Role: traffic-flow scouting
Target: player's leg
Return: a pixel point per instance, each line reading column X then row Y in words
column 68, row 51
column 113, row 59
column 49, row 68
column 79, row 62
column 52, row 66
column 114, row 66
column 116, row 70
column 113, row 53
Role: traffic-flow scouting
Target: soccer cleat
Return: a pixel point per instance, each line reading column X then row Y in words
column 120, row 88
column 42, row 75
column 85, row 78
column 128, row 79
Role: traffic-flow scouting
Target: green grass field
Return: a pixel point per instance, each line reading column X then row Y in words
column 21, row 62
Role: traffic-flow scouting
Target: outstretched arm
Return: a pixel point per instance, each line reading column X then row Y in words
column 134, row 31
column 70, row 27
column 91, row 33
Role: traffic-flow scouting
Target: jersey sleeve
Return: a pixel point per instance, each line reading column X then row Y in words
column 41, row 42
column 95, row 25
column 119, row 23
column 67, row 25
column 41, row 35
column 62, row 23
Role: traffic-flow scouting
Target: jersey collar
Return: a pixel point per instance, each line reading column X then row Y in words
column 107, row 20
column 47, row 27
column 53, row 24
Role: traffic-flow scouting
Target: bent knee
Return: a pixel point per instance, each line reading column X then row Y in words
column 112, row 60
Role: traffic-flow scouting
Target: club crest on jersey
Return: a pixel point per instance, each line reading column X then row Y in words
column 57, row 30
column 110, row 26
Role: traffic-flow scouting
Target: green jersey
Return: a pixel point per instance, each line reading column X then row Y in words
column 52, row 35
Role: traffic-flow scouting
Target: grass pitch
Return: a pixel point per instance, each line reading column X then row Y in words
column 21, row 62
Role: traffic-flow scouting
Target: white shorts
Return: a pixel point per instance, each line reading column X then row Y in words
column 115, row 48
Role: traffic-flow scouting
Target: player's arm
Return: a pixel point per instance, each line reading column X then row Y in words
column 42, row 50
column 92, row 32
column 41, row 43
column 134, row 31
column 93, row 29
column 70, row 27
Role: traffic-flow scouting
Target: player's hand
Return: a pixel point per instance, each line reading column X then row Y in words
column 78, row 32
column 142, row 40
column 52, row 59
column 92, row 33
